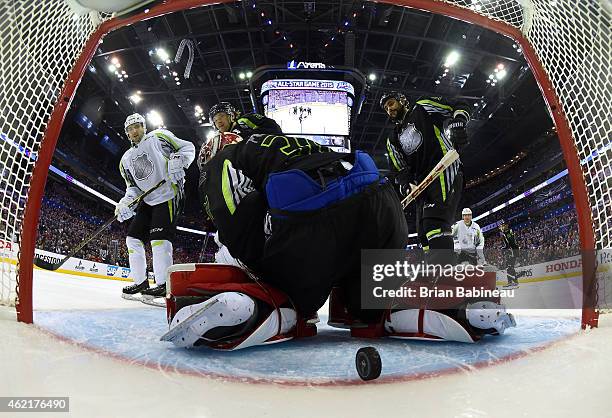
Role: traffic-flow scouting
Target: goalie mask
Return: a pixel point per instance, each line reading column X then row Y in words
column 216, row 144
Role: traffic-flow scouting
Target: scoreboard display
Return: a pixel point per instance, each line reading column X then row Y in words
column 316, row 109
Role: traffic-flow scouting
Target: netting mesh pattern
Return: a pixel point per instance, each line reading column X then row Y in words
column 573, row 41
column 39, row 43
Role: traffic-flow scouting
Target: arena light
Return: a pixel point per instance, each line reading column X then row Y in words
column 163, row 54
column 242, row 76
column 372, row 76
column 135, row 98
column 155, row 118
column 501, row 74
column 452, row 59
column 249, row 74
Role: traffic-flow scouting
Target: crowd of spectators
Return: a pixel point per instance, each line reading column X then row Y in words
column 68, row 216
column 551, row 236
column 541, row 161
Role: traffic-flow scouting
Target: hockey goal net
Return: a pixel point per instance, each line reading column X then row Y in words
column 45, row 48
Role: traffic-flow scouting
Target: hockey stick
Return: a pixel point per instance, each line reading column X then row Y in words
column 444, row 163
column 45, row 265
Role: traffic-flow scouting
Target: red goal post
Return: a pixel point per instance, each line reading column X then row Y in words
column 566, row 44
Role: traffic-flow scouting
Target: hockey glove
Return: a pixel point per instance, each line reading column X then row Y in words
column 406, row 189
column 123, row 210
column 454, row 129
column 176, row 171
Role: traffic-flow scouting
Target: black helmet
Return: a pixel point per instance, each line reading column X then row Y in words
column 400, row 97
column 222, row 107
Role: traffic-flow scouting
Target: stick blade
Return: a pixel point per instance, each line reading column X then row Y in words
column 45, row 265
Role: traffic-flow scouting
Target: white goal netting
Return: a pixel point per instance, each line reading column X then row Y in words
column 41, row 40
column 39, row 43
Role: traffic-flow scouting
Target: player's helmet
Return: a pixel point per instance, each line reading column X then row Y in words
column 466, row 211
column 216, row 144
column 400, row 97
column 224, row 107
column 135, row 118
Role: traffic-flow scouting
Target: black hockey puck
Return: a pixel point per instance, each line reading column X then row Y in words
column 368, row 363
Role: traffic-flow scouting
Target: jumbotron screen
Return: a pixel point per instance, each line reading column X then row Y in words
column 309, row 107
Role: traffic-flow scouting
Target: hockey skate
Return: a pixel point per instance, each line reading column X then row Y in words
column 511, row 285
column 155, row 296
column 131, row 292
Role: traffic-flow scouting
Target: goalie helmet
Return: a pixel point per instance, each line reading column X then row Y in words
column 135, row 118
column 466, row 211
column 216, row 144
column 222, row 107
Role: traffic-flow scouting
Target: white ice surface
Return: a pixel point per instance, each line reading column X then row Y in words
column 571, row 379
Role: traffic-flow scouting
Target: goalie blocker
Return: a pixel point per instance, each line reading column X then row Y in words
column 222, row 307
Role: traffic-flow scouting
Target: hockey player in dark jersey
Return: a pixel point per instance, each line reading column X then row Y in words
column 511, row 253
column 325, row 207
column 315, row 215
column 225, row 118
column 424, row 133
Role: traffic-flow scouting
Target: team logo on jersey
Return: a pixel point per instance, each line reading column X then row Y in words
column 143, row 166
column 410, row 139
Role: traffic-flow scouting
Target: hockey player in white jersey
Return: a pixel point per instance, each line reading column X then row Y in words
column 468, row 239
column 153, row 157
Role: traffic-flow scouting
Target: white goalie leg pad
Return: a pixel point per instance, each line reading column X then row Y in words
column 265, row 333
column 436, row 326
column 223, row 256
column 137, row 259
column 162, row 259
column 487, row 315
column 223, row 310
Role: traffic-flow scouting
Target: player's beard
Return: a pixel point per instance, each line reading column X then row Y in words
column 401, row 114
column 136, row 140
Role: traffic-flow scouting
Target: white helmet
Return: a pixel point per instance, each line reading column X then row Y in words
column 466, row 211
column 135, row 118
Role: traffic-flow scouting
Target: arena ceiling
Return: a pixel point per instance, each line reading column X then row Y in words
column 403, row 49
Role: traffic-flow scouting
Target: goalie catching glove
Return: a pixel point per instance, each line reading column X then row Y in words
column 123, row 209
